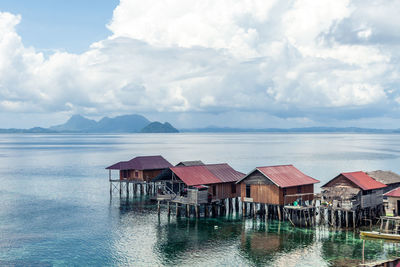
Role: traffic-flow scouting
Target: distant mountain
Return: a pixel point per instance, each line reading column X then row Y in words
column 76, row 123
column 31, row 130
column 121, row 124
column 158, row 127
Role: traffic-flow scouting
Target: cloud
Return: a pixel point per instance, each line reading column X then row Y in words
column 297, row 61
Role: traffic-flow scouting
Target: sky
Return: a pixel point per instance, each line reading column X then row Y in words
column 231, row 63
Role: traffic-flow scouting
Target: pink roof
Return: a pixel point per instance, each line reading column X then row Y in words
column 393, row 193
column 286, row 176
column 207, row 174
column 142, row 163
column 362, row 180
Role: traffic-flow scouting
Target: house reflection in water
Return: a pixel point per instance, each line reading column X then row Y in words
column 182, row 239
column 264, row 244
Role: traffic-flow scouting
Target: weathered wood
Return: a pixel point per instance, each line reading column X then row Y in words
column 196, row 207
column 177, row 210
column 279, row 213
column 158, row 207
column 354, row 219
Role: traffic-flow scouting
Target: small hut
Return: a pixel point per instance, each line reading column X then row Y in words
column 389, row 178
column 143, row 168
column 190, row 163
column 199, row 183
column 276, row 185
column 393, row 208
column 353, row 190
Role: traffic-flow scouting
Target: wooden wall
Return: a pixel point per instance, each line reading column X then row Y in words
column 341, row 180
column 146, row 175
column 224, row 190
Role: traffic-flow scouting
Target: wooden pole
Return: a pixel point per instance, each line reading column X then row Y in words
column 127, row 189
column 237, row 204
column 279, row 213
column 168, row 208
column 254, row 210
column 243, row 209
column 354, row 219
column 187, row 210
column 158, row 207
column 196, row 208
column 266, row 212
column 177, row 210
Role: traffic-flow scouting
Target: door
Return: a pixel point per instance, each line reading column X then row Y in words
column 398, row 209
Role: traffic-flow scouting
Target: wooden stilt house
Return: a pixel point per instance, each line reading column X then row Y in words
column 393, row 208
column 353, row 190
column 143, row 168
column 276, row 185
column 199, row 183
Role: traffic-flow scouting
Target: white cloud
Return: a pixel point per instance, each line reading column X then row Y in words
column 286, row 59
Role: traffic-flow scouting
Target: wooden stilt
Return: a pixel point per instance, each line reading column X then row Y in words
column 196, row 208
column 169, row 208
column 120, row 189
column 266, row 212
column 279, row 213
column 158, row 207
column 237, row 204
column 127, row 189
column 177, row 210
column 254, row 210
column 354, row 219
column 205, row 210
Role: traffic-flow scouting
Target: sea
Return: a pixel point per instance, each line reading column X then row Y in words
column 56, row 210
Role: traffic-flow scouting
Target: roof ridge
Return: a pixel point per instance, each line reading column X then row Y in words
column 280, row 165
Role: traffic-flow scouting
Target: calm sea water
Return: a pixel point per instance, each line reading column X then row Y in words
column 55, row 208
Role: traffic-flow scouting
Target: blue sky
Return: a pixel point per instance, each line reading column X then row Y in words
column 237, row 63
column 68, row 25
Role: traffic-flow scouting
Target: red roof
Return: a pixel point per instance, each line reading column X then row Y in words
column 393, row 193
column 207, row 174
column 362, row 180
column 285, row 176
column 142, row 163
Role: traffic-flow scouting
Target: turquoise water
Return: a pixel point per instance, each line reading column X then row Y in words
column 55, row 207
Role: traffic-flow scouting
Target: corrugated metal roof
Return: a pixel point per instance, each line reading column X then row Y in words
column 362, row 180
column 195, row 175
column 142, row 163
column 207, row 174
column 190, row 163
column 385, row 177
column 393, row 193
column 225, row 172
column 285, row 175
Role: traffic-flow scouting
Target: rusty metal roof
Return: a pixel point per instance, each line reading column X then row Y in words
column 362, row 180
column 207, row 174
column 284, row 175
column 142, row 163
column 393, row 193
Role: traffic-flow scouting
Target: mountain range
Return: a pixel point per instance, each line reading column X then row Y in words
column 139, row 124
column 121, row 124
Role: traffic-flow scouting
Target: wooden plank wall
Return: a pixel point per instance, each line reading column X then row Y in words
column 262, row 193
column 224, row 190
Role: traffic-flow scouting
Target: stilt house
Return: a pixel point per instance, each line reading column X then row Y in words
column 143, row 168
column 200, row 183
column 353, row 190
column 276, row 185
column 393, row 208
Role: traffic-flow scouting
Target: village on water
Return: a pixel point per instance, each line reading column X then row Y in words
column 191, row 188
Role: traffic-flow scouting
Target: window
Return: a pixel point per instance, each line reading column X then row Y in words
column 298, row 189
column 284, row 191
column 233, row 188
column 214, row 189
column 248, row 190
column 136, row 174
